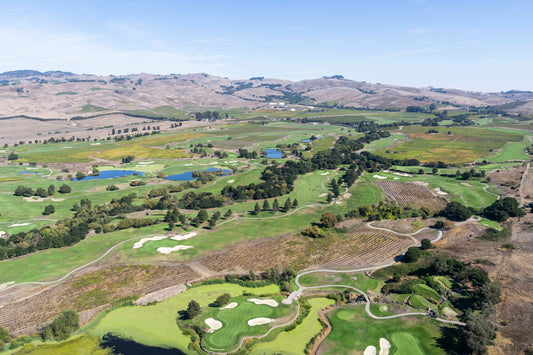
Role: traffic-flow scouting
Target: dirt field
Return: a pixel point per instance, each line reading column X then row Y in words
column 412, row 195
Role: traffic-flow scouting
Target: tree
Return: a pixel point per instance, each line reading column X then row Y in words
column 275, row 205
column 328, row 220
column 502, row 209
column 5, row 337
column 48, row 210
column 266, row 205
column 223, row 300
column 329, row 198
column 80, row 175
column 287, row 205
column 51, row 190
column 455, row 211
column 212, row 222
column 65, row 189
column 426, row 244
column 12, row 156
column 295, row 203
column 313, row 232
column 335, row 188
column 193, row 309
column 111, row 188
column 64, row 324
column 412, row 255
column 202, row 216
column 228, row 214
column 257, row 209
column 479, row 332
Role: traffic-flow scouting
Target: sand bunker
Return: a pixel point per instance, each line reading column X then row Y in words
column 141, row 242
column 145, row 162
column 370, row 350
column 5, row 284
column 168, row 250
column 384, row 346
column 421, row 183
column 467, row 184
column 347, row 195
column 187, row 164
column 326, row 173
column 259, row 321
column 184, row 236
column 95, row 143
column 230, row 306
column 396, row 178
column 19, row 225
column 403, row 174
column 379, row 177
column 323, row 195
column 34, row 199
column 3, row 234
column 230, row 181
column 440, row 192
column 213, row 323
column 270, row 302
column 57, row 199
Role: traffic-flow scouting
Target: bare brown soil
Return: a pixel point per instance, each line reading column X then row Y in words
column 89, row 291
column 508, row 181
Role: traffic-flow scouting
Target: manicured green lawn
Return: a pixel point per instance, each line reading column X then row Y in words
column 353, row 330
column 294, row 341
column 156, row 325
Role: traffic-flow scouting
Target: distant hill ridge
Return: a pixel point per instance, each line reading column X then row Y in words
column 58, row 94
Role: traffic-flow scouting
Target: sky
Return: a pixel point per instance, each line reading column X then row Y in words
column 476, row 45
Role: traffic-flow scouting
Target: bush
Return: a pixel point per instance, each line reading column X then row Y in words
column 455, row 211
column 426, row 244
column 48, row 210
column 412, row 255
column 111, row 188
column 65, row 189
column 223, row 300
column 62, row 326
column 193, row 309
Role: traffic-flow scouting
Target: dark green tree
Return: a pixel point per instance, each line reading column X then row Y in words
column 328, row 220
column 275, row 205
column 48, row 210
column 257, row 209
column 193, row 309
column 287, row 205
column 223, row 300
column 426, row 244
column 266, row 205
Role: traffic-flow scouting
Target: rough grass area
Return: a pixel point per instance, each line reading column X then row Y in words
column 84, row 344
column 353, row 330
column 357, row 279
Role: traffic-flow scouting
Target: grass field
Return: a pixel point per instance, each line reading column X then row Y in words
column 460, row 145
column 294, row 341
column 353, row 331
column 84, row 344
column 156, row 325
column 357, row 279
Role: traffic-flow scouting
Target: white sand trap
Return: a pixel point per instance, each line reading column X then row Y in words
column 5, row 284
column 213, row 323
column 3, row 234
column 379, row 177
column 347, row 195
column 323, row 195
column 370, row 350
column 19, row 225
column 230, row 306
column 259, row 321
column 396, row 178
column 141, row 242
column 467, row 184
column 184, row 236
column 440, row 192
column 34, row 199
column 270, row 302
column 31, row 168
column 145, row 162
column 326, row 173
column 66, row 147
column 338, row 202
column 168, row 250
column 95, row 143
column 214, row 163
column 384, row 346
column 57, row 199
column 230, row 181
column 187, row 164
column 403, row 174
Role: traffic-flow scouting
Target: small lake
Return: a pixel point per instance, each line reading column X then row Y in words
column 310, row 140
column 273, row 153
column 124, row 346
column 188, row 175
column 28, row 173
column 111, row 174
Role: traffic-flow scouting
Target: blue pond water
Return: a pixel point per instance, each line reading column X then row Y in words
column 273, row 153
column 28, row 173
column 188, row 175
column 111, row 174
column 306, row 140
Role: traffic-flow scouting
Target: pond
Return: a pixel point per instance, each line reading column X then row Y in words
column 188, row 175
column 123, row 346
column 28, row 173
column 273, row 153
column 111, row 174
